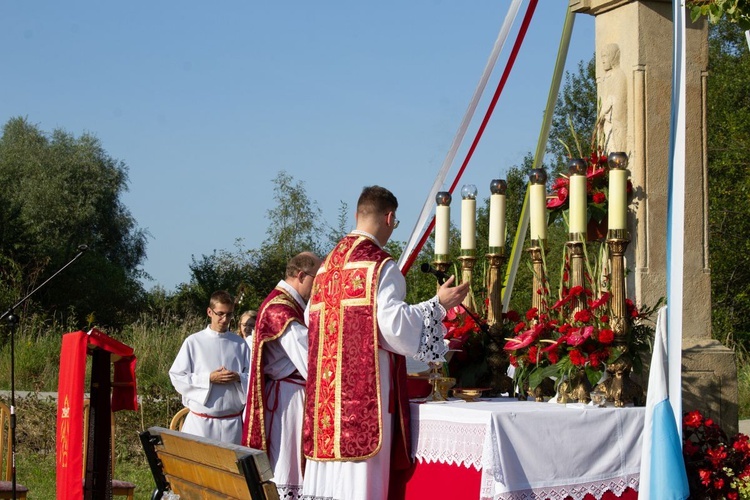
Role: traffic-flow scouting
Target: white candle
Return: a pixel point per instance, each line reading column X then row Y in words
column 442, row 229
column 538, row 204
column 468, row 224
column 577, row 195
column 538, row 212
column 497, row 220
column 497, row 213
column 618, row 205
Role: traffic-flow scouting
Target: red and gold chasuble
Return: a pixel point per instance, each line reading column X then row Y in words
column 343, row 404
column 275, row 313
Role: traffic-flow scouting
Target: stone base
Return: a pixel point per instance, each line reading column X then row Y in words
column 709, row 382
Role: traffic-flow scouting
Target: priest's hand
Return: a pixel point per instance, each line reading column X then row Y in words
column 450, row 296
column 223, row 376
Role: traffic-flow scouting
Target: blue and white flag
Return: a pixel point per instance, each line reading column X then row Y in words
column 663, row 475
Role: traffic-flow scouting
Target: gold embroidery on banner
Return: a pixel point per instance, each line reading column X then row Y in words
column 65, row 433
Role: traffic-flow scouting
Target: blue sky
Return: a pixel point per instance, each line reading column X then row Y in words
column 206, row 102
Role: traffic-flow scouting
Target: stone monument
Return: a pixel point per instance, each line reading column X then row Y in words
column 634, row 41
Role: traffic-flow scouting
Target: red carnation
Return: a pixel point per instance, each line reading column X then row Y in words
column 511, row 316
column 606, row 336
column 531, row 313
column 599, row 198
column 577, row 358
column 705, row 476
column 553, row 356
column 694, row 419
column 584, row 316
column 604, row 318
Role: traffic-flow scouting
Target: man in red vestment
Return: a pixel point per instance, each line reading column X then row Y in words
column 360, row 329
column 275, row 400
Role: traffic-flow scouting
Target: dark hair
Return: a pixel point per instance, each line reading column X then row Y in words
column 305, row 262
column 376, row 200
column 221, row 297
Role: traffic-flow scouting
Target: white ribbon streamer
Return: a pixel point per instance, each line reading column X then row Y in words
column 440, row 179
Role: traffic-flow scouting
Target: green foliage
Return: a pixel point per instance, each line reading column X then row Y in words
column 294, row 225
column 734, row 11
column 58, row 192
column 729, row 183
column 574, row 119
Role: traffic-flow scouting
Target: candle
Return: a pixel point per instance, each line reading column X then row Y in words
column 538, row 204
column 468, row 217
column 498, row 188
column 442, row 225
column 577, row 216
column 618, row 188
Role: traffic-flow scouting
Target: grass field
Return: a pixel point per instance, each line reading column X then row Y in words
column 156, row 340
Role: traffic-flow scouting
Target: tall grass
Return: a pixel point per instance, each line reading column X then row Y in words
column 155, row 339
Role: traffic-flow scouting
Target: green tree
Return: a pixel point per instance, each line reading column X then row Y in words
column 295, row 223
column 574, row 119
column 59, row 191
column 728, row 104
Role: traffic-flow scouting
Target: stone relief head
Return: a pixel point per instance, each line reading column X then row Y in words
column 610, row 56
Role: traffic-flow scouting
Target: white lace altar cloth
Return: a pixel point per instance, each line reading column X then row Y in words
column 527, row 450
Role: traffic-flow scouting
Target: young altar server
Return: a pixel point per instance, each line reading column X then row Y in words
column 211, row 373
column 276, row 398
column 360, row 329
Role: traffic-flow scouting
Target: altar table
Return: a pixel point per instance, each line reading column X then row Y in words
column 509, row 449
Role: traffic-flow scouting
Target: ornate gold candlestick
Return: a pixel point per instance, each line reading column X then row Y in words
column 497, row 359
column 539, row 282
column 619, row 387
column 494, row 287
column 577, row 278
column 467, row 269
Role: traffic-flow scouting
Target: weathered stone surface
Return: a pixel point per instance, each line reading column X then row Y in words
column 643, row 31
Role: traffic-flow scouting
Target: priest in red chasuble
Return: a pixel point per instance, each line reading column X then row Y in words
column 357, row 411
column 276, row 397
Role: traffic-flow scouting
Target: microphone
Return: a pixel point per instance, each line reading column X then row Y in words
column 83, row 248
column 440, row 275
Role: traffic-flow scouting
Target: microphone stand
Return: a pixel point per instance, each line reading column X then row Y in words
column 13, row 320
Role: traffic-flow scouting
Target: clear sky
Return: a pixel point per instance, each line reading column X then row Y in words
column 207, row 101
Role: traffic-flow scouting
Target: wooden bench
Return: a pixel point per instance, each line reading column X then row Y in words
column 199, row 468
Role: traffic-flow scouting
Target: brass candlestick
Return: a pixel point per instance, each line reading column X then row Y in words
column 497, row 359
column 494, row 287
column 467, row 268
column 577, row 278
column 539, row 282
column 619, row 387
column 617, row 241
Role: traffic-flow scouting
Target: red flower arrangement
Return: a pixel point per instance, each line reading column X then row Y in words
column 717, row 467
column 575, row 335
column 466, row 336
column 597, row 189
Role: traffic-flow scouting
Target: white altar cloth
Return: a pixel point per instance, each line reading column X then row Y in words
column 527, row 450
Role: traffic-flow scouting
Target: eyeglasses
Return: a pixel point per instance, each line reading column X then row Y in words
column 222, row 314
column 396, row 222
column 310, row 275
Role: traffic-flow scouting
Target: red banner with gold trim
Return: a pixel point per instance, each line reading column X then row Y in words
column 70, row 402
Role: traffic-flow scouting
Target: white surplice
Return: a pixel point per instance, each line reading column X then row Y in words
column 282, row 357
column 200, row 354
column 409, row 330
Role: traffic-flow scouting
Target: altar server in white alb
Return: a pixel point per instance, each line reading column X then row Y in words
column 211, row 373
column 357, row 412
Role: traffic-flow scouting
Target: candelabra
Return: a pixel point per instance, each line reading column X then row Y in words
column 619, row 387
